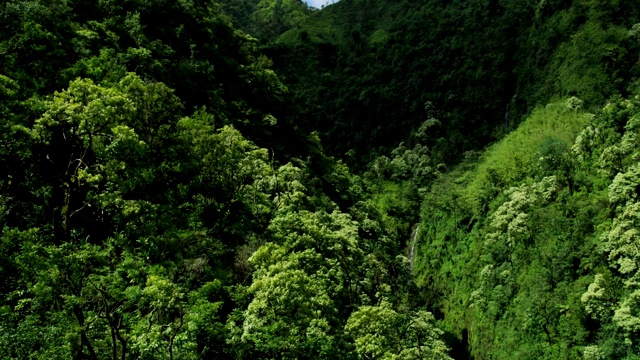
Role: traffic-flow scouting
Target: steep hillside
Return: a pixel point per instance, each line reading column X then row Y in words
column 525, row 249
column 529, row 251
column 266, row 19
column 365, row 73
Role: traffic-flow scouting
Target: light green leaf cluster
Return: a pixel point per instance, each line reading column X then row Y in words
column 373, row 329
column 617, row 157
column 232, row 161
column 627, row 317
column 411, row 163
column 586, row 142
column 620, row 240
column 380, row 332
column 595, row 299
column 289, row 310
column 573, row 103
column 592, row 352
column 298, row 280
column 509, row 223
column 304, row 277
column 84, row 110
column 8, row 87
column 622, row 246
column 623, row 189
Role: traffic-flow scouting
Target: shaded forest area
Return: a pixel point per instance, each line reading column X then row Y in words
column 366, row 73
column 374, row 180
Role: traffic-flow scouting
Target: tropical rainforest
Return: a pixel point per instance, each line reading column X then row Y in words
column 375, row 179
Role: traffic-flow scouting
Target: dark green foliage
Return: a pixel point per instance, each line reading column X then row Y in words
column 363, row 71
column 190, row 46
column 172, row 187
column 137, row 220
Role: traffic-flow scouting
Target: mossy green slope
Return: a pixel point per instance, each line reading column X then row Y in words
column 525, row 250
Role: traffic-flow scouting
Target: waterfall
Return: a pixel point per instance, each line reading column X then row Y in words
column 506, row 115
column 413, row 247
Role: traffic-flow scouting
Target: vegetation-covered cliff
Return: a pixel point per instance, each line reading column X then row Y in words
column 366, row 73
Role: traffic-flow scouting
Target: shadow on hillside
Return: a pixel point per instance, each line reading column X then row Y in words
column 459, row 347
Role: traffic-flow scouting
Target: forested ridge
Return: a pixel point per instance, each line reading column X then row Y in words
column 258, row 179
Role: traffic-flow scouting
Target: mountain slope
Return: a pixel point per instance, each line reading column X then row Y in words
column 266, row 19
column 367, row 72
column 528, row 250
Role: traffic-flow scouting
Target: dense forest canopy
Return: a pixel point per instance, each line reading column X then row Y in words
column 368, row 72
column 375, row 179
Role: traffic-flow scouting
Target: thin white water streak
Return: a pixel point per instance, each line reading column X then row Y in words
column 413, row 247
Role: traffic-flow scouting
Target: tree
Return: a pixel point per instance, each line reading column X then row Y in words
column 379, row 332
